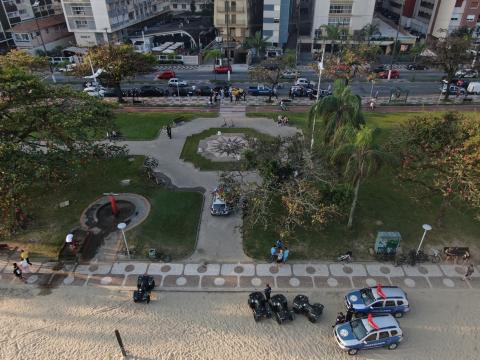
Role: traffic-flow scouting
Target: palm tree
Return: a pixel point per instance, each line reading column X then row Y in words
column 332, row 33
column 341, row 109
column 362, row 158
column 417, row 50
column 212, row 54
column 370, row 30
column 258, row 42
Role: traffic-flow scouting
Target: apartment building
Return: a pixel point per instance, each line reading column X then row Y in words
column 21, row 10
column 277, row 15
column 466, row 13
column 97, row 22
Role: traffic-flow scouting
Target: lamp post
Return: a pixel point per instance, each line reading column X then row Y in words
column 36, row 5
column 426, row 228
column 121, row 226
column 396, row 39
column 320, row 69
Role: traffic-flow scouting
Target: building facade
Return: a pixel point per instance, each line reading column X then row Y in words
column 21, row 10
column 277, row 16
column 96, row 22
column 466, row 13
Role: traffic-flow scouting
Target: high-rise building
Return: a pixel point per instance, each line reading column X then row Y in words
column 277, row 15
column 97, row 22
column 466, row 13
column 21, row 10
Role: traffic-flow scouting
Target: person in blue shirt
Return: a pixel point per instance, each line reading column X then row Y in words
column 286, row 252
column 278, row 244
column 273, row 252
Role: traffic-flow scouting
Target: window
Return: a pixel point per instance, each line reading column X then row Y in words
column 474, row 5
column 22, row 37
column 234, row 19
column 233, row 6
column 340, row 8
column 393, row 332
column 175, row 6
column 377, row 304
column 454, row 19
column 427, row 5
column 390, row 303
column 81, row 23
column 339, row 21
column 399, row 302
column 383, row 335
column 267, row 20
column 276, row 7
column 78, row 10
column 268, row 7
column 276, row 20
column 22, row 11
column 470, row 18
column 184, row 6
column 267, row 33
column 372, row 337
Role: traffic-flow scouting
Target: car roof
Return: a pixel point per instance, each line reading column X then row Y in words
column 389, row 291
column 384, row 322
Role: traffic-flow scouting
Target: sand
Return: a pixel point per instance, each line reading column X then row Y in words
column 79, row 323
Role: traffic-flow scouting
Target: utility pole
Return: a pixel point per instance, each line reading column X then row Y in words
column 396, row 40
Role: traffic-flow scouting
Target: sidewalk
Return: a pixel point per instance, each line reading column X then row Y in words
column 247, row 276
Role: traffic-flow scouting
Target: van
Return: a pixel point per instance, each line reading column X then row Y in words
column 474, row 88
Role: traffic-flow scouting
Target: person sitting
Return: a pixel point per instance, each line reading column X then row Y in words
column 279, row 120
column 280, row 256
column 285, row 121
column 279, row 244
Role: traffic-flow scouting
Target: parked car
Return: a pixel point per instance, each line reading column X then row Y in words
column 384, row 74
column 301, row 305
column 379, row 68
column 96, row 91
column 219, row 205
column 300, row 91
column 370, row 332
column 149, row 90
column 222, row 69
column 203, row 90
column 259, row 306
column 290, row 74
column 304, row 82
column 279, row 306
column 177, row 82
column 416, row 67
column 378, row 299
column 167, row 75
column 453, row 90
column 474, row 88
column 466, row 73
column 260, row 90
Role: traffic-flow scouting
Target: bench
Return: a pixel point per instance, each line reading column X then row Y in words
column 467, row 99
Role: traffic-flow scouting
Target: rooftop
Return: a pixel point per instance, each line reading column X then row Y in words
column 43, row 23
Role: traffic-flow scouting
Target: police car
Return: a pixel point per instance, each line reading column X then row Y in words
column 378, row 299
column 369, row 332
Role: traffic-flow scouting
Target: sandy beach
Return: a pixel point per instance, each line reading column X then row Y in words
column 79, row 323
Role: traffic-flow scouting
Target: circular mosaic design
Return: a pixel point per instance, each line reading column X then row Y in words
column 106, row 280
column 256, row 282
column 332, row 282
column 219, row 281
column 68, row 280
column 181, row 281
column 93, row 268
column 310, row 270
column 294, row 282
column 32, row 279
column 422, row 270
column 202, row 268
column 223, row 147
column 371, row 282
column 165, row 268
column 347, row 269
column 409, row 282
column 385, row 270
column 238, row 269
column 129, row 268
column 448, row 283
column 274, row 269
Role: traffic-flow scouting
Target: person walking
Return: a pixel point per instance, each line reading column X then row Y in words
column 273, row 252
column 267, row 292
column 340, row 319
column 169, row 131
column 244, row 93
column 24, row 256
column 286, row 252
column 18, row 272
column 469, row 273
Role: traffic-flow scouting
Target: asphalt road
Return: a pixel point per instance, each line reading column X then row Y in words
column 416, row 82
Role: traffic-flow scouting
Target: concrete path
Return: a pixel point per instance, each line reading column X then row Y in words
column 247, row 276
column 219, row 238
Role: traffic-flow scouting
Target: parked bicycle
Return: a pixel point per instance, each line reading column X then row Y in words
column 345, row 258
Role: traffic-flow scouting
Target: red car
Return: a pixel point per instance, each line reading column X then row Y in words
column 168, row 74
column 384, row 74
column 223, row 69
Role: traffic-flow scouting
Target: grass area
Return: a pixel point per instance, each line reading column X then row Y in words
column 147, row 125
column 385, row 204
column 190, row 148
column 171, row 226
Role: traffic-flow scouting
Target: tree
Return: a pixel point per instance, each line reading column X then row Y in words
column 46, row 134
column 441, row 154
column 212, row 54
column 193, row 7
column 332, row 33
column 341, row 109
column 346, row 65
column 361, row 158
column 258, row 42
column 450, row 53
column 270, row 71
column 117, row 62
column 20, row 59
column 370, row 30
column 417, row 50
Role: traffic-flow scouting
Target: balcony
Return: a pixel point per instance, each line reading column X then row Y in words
column 233, row 10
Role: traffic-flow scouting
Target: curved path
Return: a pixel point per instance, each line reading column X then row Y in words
column 219, row 238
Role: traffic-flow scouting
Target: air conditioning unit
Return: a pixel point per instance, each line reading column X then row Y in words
column 219, row 39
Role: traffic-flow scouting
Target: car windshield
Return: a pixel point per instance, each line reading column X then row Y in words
column 367, row 296
column 219, row 207
column 358, row 329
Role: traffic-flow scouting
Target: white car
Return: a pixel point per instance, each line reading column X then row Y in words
column 304, row 82
column 177, row 82
column 290, row 74
column 97, row 91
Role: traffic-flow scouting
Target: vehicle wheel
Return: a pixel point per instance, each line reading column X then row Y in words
column 292, row 316
column 256, row 317
column 312, row 319
column 352, row 351
column 148, row 299
column 296, row 311
column 398, row 315
column 392, row 346
column 279, row 321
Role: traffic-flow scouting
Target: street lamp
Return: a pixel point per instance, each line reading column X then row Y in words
column 320, row 69
column 36, row 4
column 426, row 228
column 121, row 226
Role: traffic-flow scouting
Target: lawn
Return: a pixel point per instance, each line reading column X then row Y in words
column 190, row 148
column 385, row 204
column 171, row 226
column 147, row 125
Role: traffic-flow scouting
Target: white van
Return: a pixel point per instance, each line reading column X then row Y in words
column 474, row 88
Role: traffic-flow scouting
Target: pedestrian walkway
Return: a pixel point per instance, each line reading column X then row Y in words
column 246, row 276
